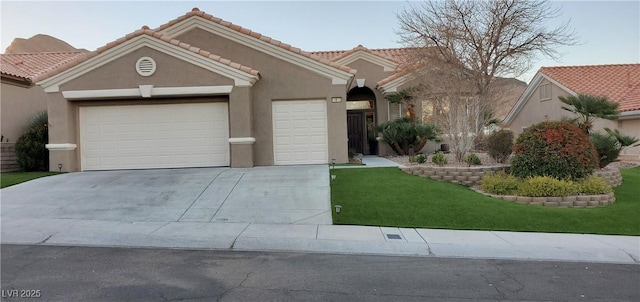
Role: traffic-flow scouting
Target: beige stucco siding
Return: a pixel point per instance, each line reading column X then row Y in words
column 536, row 110
column 170, row 72
column 372, row 73
column 19, row 105
column 280, row 80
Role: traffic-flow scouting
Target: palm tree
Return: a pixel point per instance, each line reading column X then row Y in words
column 403, row 97
column 588, row 108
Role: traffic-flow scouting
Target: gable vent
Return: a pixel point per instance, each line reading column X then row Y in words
column 145, row 66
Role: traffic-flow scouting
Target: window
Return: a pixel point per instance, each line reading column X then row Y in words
column 545, row 92
column 355, row 105
column 395, row 111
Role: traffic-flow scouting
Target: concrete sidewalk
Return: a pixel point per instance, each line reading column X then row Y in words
column 324, row 239
column 373, row 161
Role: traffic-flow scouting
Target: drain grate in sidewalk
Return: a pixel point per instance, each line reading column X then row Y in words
column 394, row 236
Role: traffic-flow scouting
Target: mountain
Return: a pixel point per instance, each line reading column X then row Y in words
column 39, row 43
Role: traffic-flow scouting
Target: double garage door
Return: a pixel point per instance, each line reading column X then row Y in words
column 193, row 135
column 154, row 136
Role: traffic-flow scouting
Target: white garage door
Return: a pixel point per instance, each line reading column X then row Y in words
column 154, row 136
column 300, row 132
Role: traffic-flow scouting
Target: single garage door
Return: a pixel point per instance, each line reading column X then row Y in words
column 300, row 132
column 154, row 136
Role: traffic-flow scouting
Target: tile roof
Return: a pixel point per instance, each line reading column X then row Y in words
column 197, row 12
column 148, row 32
column 620, row 82
column 398, row 55
column 29, row 66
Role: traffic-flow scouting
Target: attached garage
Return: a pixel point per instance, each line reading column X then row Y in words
column 300, row 132
column 154, row 136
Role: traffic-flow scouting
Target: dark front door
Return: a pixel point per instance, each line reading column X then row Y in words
column 355, row 131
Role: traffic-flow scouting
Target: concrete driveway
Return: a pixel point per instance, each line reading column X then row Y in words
column 278, row 195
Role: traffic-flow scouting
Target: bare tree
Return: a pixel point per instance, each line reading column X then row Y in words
column 479, row 41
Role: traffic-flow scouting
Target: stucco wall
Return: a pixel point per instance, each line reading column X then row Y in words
column 535, row 110
column 280, row 80
column 19, row 105
column 170, row 72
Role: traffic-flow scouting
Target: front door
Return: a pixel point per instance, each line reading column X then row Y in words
column 355, row 131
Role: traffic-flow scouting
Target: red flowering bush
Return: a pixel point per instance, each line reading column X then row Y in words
column 557, row 149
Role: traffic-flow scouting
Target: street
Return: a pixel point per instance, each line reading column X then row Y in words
column 57, row 273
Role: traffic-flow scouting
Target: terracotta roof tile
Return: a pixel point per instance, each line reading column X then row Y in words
column 620, row 82
column 144, row 31
column 29, row 66
column 198, row 13
column 398, row 55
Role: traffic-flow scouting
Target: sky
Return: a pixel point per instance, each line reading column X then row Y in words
column 609, row 31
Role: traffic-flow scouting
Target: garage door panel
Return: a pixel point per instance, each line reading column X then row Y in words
column 300, row 132
column 154, row 136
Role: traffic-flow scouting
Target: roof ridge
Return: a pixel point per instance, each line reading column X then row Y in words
column 196, row 12
column 43, row 53
column 595, row 65
column 151, row 33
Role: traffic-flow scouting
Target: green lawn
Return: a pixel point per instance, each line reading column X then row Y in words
column 12, row 178
column 389, row 197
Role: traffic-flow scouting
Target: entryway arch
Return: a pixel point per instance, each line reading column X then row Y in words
column 361, row 120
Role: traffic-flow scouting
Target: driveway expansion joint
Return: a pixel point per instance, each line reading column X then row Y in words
column 227, row 197
column 199, row 195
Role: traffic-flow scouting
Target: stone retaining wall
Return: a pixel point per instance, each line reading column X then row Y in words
column 468, row 176
column 576, row 201
column 612, row 177
column 8, row 158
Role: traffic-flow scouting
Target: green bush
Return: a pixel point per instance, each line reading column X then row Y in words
column 594, row 185
column 560, row 150
column 607, row 147
column 351, row 153
column 439, row 159
column 30, row 146
column 402, row 135
column 420, row 158
column 545, row 186
column 500, row 183
column 472, row 159
column 500, row 145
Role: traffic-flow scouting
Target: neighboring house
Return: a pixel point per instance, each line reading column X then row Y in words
column 619, row 83
column 20, row 99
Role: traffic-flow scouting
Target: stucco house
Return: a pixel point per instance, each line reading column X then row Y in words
column 619, row 83
column 200, row 91
column 20, row 98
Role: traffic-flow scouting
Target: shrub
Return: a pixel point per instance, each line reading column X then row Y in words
column 402, row 135
column 472, row 159
column 500, row 183
column 420, row 158
column 500, row 145
column 439, row 159
column 30, row 146
column 545, row 186
column 594, row 185
column 607, row 147
column 557, row 149
column 352, row 153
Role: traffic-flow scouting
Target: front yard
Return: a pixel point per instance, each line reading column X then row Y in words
column 389, row 197
column 12, row 178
